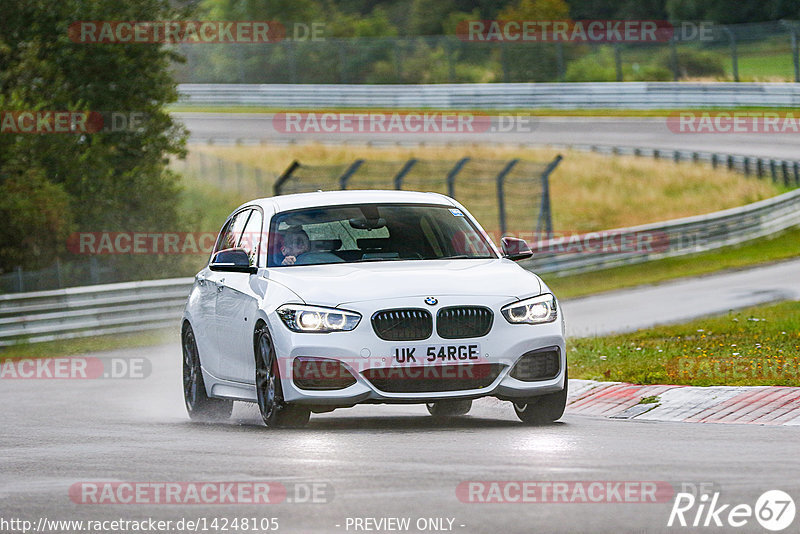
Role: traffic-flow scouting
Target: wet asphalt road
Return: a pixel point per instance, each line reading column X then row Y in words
column 633, row 132
column 375, row 461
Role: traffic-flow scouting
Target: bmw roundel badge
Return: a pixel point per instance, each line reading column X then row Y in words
column 430, row 301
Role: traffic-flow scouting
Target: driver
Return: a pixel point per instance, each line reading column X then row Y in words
column 295, row 243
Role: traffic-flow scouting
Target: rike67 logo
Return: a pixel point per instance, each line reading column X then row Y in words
column 774, row 510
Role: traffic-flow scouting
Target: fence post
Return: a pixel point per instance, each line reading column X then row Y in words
column 259, row 179
column 451, row 177
column 290, row 53
column 785, row 172
column 731, row 163
column 673, row 49
column 348, row 173
column 618, row 62
column 59, row 277
column 283, row 178
column 239, row 178
column 796, row 173
column 501, row 197
column 504, row 63
column 562, row 73
column 714, row 161
column 746, row 165
column 773, row 171
column 759, row 167
column 20, row 282
column 795, row 54
column 734, row 53
column 94, row 271
column 545, row 215
column 398, row 179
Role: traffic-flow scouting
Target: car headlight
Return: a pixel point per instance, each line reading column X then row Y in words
column 536, row 310
column 316, row 319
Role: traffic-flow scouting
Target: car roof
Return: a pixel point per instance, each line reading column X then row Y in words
column 333, row 198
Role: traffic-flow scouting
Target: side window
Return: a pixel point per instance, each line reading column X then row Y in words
column 230, row 235
column 251, row 237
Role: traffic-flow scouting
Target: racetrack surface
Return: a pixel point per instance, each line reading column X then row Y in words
column 390, row 461
column 633, row 132
column 681, row 300
column 381, row 461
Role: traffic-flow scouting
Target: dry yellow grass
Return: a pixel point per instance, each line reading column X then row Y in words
column 588, row 191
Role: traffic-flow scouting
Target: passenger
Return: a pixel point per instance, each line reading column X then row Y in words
column 295, row 243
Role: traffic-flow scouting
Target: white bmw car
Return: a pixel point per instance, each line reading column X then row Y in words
column 317, row 301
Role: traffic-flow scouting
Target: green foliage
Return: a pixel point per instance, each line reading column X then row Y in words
column 694, row 63
column 97, row 181
column 757, row 346
column 36, row 220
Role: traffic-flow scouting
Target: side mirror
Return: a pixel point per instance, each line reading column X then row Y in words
column 516, row 249
column 232, row 260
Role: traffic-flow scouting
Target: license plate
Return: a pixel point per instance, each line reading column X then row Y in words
column 437, row 354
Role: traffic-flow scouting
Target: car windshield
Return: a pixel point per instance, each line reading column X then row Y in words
column 374, row 232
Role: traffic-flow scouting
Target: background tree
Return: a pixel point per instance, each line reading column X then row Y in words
column 104, row 181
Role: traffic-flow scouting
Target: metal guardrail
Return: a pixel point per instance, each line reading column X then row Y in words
column 672, row 238
column 91, row 310
column 139, row 306
column 607, row 95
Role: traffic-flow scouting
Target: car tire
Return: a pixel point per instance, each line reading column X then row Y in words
column 543, row 409
column 274, row 411
column 199, row 405
column 449, row 408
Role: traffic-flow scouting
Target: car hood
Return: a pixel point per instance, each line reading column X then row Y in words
column 337, row 284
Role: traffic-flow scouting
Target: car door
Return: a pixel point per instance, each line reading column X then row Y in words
column 212, row 284
column 237, row 303
column 203, row 304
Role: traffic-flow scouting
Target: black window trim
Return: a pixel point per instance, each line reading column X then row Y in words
column 251, row 207
column 274, row 221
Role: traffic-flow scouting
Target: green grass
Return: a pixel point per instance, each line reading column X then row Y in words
column 752, row 347
column 778, row 247
column 777, row 66
column 537, row 112
column 83, row 345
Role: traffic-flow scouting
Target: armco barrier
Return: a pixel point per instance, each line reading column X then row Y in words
column 607, row 95
column 91, row 310
column 677, row 237
column 139, row 306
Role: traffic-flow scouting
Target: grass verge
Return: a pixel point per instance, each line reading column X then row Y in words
column 753, row 347
column 774, row 248
column 589, row 192
column 83, row 345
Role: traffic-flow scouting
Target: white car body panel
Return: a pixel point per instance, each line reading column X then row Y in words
column 224, row 308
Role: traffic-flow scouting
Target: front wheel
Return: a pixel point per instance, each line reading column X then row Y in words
column 449, row 408
column 274, row 411
column 543, row 409
column 199, row 405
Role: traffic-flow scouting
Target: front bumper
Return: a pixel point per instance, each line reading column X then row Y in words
column 361, row 349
